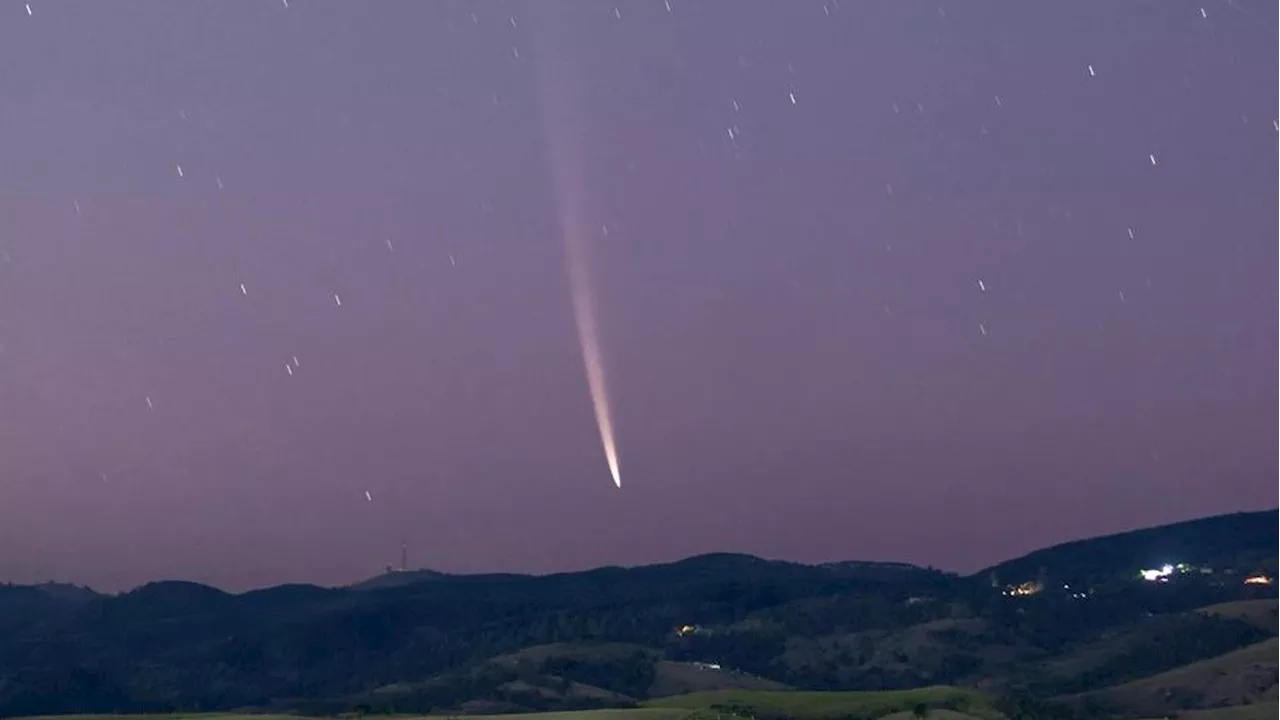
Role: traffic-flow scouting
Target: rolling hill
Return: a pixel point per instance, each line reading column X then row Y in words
column 726, row 634
column 1238, row 540
column 1242, row 677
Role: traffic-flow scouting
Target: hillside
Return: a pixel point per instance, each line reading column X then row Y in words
column 834, row 705
column 1255, row 711
column 1261, row 614
column 1239, row 540
column 767, row 635
column 1241, row 677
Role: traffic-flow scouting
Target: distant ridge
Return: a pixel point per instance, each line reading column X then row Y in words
column 1202, row 542
column 432, row 642
column 1198, row 541
column 709, row 565
column 398, row 578
column 66, row 591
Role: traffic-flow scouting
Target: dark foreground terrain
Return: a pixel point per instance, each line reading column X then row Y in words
column 1070, row 631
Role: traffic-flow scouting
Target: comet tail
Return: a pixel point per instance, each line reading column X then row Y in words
column 569, row 187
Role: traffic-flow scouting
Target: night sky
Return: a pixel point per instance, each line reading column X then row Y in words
column 285, row 284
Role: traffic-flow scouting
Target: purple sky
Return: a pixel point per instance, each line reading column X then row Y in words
column 882, row 280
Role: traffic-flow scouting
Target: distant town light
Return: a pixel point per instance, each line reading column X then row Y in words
column 1026, row 588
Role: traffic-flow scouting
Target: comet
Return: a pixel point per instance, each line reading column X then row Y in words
column 554, row 75
column 589, row 341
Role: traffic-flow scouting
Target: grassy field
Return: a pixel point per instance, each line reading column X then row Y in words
column 944, row 703
column 1256, row 711
column 619, row 714
column 829, row 705
column 609, row 714
column 677, row 678
column 165, row 716
column 940, row 714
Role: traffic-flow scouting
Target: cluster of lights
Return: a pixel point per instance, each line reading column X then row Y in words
column 1164, row 572
column 1159, row 575
column 1035, row 588
column 1026, row 588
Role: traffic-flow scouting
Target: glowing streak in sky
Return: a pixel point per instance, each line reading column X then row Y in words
column 569, row 186
column 584, row 315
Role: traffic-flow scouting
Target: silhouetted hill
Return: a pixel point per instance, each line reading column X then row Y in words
column 290, row 594
column 1239, row 540
column 403, row 578
column 164, row 600
column 67, row 592
column 618, row 637
column 400, row 578
column 30, row 606
column 735, row 566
